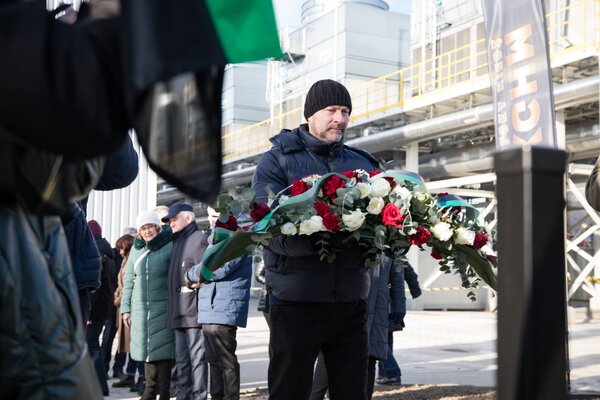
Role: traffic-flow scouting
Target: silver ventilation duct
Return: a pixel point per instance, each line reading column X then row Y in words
column 570, row 94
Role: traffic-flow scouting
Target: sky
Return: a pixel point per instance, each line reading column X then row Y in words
column 288, row 12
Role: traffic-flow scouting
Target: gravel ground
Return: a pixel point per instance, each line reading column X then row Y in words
column 411, row 392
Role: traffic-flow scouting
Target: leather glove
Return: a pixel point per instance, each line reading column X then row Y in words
column 397, row 321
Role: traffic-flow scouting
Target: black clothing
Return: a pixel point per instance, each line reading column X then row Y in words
column 221, row 344
column 158, row 380
column 300, row 331
column 189, row 245
column 103, row 299
column 294, row 271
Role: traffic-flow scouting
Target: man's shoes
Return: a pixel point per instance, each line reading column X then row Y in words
column 389, row 381
column 138, row 387
column 118, row 374
column 126, row 381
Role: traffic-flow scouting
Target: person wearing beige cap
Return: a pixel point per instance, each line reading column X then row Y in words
column 315, row 306
column 144, row 303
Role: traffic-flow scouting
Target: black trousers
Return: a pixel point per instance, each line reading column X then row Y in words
column 158, row 379
column 221, row 344
column 300, row 331
column 320, row 383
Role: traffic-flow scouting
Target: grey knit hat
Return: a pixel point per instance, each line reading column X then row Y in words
column 326, row 93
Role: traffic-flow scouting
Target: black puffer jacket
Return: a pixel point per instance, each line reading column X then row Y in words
column 293, row 269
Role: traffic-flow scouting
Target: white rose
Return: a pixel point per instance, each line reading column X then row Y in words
column 289, row 229
column 422, row 196
column 312, row 225
column 364, row 188
column 464, row 236
column 402, row 193
column 380, row 188
column 375, row 205
column 354, row 220
column 442, row 231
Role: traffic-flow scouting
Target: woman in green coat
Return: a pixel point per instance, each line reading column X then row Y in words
column 144, row 303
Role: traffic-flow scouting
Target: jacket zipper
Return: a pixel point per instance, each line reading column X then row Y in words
column 148, row 316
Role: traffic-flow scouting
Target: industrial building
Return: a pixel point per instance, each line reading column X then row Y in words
column 421, row 102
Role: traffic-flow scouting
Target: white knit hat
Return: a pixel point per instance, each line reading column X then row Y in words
column 146, row 217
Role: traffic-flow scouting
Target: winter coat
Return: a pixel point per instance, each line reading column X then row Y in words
column 102, row 299
column 404, row 273
column 386, row 285
column 294, row 271
column 44, row 353
column 123, row 331
column 592, row 187
column 224, row 299
column 86, row 260
column 188, row 247
column 145, row 296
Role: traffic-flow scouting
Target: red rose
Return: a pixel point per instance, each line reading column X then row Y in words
column 231, row 224
column 322, row 208
column 350, row 174
column 436, row 254
column 298, row 187
column 373, row 173
column 442, row 194
column 259, row 210
column 421, row 237
column 392, row 216
column 391, row 181
column 331, row 185
column 481, row 239
column 332, row 222
column 492, row 259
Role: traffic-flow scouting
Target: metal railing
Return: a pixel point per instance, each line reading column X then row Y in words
column 573, row 31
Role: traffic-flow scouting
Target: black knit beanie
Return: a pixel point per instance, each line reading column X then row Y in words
column 326, row 93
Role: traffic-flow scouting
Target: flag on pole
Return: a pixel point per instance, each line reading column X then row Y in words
column 177, row 52
column 520, row 73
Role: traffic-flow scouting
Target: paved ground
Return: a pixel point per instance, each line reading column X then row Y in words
column 437, row 347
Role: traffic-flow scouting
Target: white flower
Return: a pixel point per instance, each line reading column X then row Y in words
column 289, row 229
column 354, row 220
column 364, row 188
column 421, row 196
column 402, row 193
column 464, row 236
column 375, row 205
column 312, row 225
column 442, row 231
column 380, row 187
column 311, row 179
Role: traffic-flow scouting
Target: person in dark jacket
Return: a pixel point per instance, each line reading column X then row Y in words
column 389, row 372
column 100, row 303
column 592, row 187
column 385, row 302
column 182, row 313
column 49, row 102
column 222, row 308
column 315, row 305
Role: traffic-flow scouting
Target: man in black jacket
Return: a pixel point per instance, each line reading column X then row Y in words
column 101, row 302
column 182, row 313
column 314, row 305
